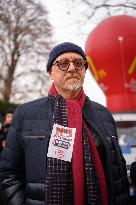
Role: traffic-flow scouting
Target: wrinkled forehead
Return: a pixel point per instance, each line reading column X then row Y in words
column 69, row 55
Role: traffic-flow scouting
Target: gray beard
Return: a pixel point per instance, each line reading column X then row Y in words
column 73, row 86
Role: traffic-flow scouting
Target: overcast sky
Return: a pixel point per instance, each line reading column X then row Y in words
column 65, row 30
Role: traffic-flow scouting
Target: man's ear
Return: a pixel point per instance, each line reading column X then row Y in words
column 50, row 74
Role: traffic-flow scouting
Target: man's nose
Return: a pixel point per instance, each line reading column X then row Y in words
column 71, row 67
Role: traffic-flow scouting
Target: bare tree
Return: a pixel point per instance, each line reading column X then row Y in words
column 25, row 39
column 88, row 13
column 110, row 7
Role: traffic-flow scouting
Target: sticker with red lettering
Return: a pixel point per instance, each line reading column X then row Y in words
column 61, row 142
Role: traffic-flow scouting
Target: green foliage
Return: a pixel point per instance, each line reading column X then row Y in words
column 4, row 105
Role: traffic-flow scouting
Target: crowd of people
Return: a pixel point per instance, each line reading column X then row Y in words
column 63, row 149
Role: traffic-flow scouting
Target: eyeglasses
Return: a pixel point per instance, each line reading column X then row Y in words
column 64, row 64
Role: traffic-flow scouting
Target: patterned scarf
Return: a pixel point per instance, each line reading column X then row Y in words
column 82, row 181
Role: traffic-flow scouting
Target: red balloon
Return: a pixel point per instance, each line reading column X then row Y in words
column 111, row 53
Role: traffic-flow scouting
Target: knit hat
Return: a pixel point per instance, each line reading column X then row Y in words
column 63, row 48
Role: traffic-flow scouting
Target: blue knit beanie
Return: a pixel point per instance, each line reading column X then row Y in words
column 63, row 48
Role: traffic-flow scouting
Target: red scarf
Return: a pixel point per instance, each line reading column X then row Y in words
column 74, row 113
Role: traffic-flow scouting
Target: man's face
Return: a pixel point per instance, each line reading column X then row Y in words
column 70, row 80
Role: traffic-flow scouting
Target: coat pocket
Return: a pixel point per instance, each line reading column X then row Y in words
column 35, row 148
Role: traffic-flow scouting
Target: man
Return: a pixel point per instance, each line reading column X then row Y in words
column 133, row 180
column 6, row 125
column 63, row 149
column 133, row 173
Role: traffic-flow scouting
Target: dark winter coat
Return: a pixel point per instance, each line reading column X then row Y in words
column 23, row 161
column 133, row 173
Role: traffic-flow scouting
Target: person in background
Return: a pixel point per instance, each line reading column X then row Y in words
column 1, row 122
column 133, row 179
column 63, row 149
column 6, row 125
column 133, row 173
column 1, row 118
